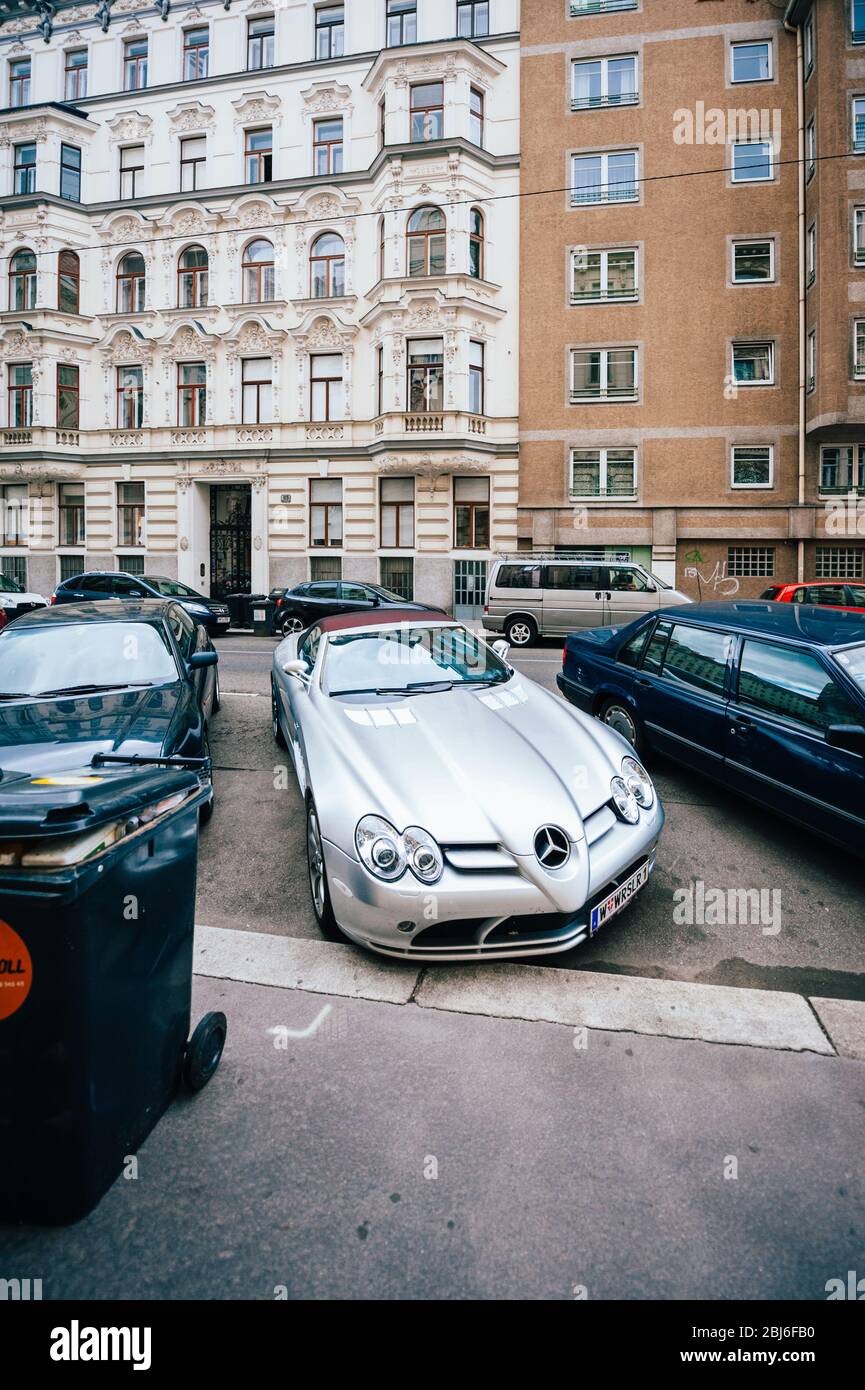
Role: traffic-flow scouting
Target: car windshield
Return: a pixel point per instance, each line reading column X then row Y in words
column 401, row 660
column 9, row 586
column 85, row 656
column 853, row 661
column 171, row 588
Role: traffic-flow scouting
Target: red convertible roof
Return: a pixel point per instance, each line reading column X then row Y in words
column 380, row 618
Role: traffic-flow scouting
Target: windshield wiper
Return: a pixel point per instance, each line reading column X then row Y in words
column 89, row 689
column 419, row 688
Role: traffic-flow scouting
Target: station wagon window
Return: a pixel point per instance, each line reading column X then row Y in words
column 654, row 658
column 697, row 657
column 572, row 577
column 630, row 653
column 792, row 684
column 518, row 577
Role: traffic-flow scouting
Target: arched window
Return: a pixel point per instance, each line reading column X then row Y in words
column 192, row 278
column 130, row 284
column 68, row 282
column 327, row 266
column 22, row 280
column 258, row 276
column 476, row 244
column 427, row 242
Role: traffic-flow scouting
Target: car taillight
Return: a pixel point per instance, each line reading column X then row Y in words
column 279, row 602
column 564, row 653
column 53, row 598
column 486, row 608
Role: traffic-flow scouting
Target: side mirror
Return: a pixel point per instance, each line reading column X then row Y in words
column 650, row 589
column 850, row 737
column 295, row 667
column 135, row 593
column 201, row 659
column 376, row 601
column 501, row 649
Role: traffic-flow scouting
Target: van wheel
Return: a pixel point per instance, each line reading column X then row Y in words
column 521, row 632
column 617, row 715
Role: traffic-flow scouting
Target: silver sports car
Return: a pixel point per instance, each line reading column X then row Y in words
column 455, row 809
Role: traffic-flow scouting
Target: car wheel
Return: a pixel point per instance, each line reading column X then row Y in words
column 318, row 888
column 521, row 632
column 278, row 735
column 217, row 694
column 617, row 715
column 206, row 811
column 291, row 625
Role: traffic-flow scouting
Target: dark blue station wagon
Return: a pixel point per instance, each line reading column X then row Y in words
column 767, row 698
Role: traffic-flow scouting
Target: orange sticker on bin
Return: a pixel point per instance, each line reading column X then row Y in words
column 16, row 971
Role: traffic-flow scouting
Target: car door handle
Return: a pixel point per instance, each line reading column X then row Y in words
column 641, row 680
column 597, row 593
column 741, row 726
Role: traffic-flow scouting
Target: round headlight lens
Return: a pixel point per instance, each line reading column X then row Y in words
column 625, row 801
column 380, row 847
column 638, row 780
column 423, row 854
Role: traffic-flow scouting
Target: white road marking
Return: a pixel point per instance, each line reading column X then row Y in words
column 280, row 1031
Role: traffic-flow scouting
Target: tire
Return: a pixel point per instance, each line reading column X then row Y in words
column 521, row 632
column 206, row 811
column 617, row 715
column 291, row 625
column 204, row 1051
column 217, row 695
column 319, row 891
column 278, row 735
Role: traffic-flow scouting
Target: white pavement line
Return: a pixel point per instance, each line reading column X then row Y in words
column 244, row 694
column 623, row 1003
column 323, row 967
column 844, row 1021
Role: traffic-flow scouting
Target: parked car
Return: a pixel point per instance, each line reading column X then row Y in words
column 76, row 680
column 14, row 600
column 107, row 584
column 828, row 593
column 548, row 596
column 767, row 698
column 295, row 609
column 455, row 809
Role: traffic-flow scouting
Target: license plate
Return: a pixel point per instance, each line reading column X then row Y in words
column 258, row 615
column 223, row 620
column 619, row 898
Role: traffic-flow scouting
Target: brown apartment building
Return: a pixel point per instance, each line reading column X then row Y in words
column 692, row 389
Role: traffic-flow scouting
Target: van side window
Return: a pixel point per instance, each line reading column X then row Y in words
column 518, row 577
column 792, row 684
column 631, row 652
column 698, row 657
column 572, row 577
column 628, row 580
column 654, row 658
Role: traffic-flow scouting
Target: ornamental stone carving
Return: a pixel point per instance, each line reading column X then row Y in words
column 130, row 126
column 257, row 107
column 194, row 116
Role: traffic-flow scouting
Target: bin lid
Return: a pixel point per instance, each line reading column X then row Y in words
column 64, row 803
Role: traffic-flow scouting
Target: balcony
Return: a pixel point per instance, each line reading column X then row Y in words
column 581, row 7
column 601, row 103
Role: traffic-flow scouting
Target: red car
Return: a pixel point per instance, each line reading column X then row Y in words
column 828, row 593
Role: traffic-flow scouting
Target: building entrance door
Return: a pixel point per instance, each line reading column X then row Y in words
column 230, row 539
column 470, row 582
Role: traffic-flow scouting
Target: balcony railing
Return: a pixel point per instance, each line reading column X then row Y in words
column 616, row 492
column 580, row 7
column 597, row 103
column 17, row 437
column 601, row 296
column 607, row 393
column 604, row 193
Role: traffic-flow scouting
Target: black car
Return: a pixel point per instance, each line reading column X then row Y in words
column 107, row 584
column 85, row 679
column 295, row 609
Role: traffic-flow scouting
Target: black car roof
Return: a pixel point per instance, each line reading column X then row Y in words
column 147, row 610
column 822, row 627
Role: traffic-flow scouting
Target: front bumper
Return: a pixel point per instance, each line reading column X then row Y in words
column 490, row 915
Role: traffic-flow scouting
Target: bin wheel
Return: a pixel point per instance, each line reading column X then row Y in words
column 204, row 1051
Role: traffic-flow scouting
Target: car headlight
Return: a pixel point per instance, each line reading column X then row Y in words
column 8, row 602
column 423, row 854
column 380, row 847
column 625, row 800
column 638, row 780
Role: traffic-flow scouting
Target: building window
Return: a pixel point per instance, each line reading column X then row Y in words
column 327, row 146
column 325, row 568
column 811, row 253
column 751, row 62
column 599, row 473
column 397, row 575
column 131, row 284
column 20, row 395
column 842, row 468
column 132, row 171
column 15, row 502
column 327, row 266
column 604, row 178
column 381, row 230
column 196, row 53
column 810, row 148
column 130, row 513
column 192, row 278
column 191, row 393
column 134, row 65
column 859, row 349
column 70, row 567
column 71, row 531
column 812, row 360
column 751, row 561
column 258, row 156
column 326, row 394
column 859, row 124
column 258, row 273
column 67, row 397
column 70, row 173
column 426, row 249
column 382, row 131
column 839, row 561
column 426, row 377
column 753, row 262
column 131, row 564
column 476, row 117
column 476, row 244
column 582, row 7
column 427, row 112
column 396, row 505
column 193, row 157
column 329, row 31
column 754, row 364
column 19, row 82
column 752, row 465
column 379, row 372
column 22, row 280
column 859, row 236
column 476, row 378
column 257, row 380
column 603, row 276
column 130, row 398
column 808, row 44
column 68, row 282
column 473, row 19
column 857, row 21
column 325, row 514
column 24, row 169
column 471, row 513
column 603, row 374
column 75, row 74
column 604, row 82
column 401, row 22
column 260, row 43
column 752, row 161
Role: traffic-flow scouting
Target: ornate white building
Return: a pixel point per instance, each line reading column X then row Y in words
column 259, row 300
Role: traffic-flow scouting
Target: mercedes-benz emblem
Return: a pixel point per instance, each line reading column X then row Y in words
column 552, row 847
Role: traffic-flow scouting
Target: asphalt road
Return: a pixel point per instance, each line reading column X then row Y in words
column 253, row 874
